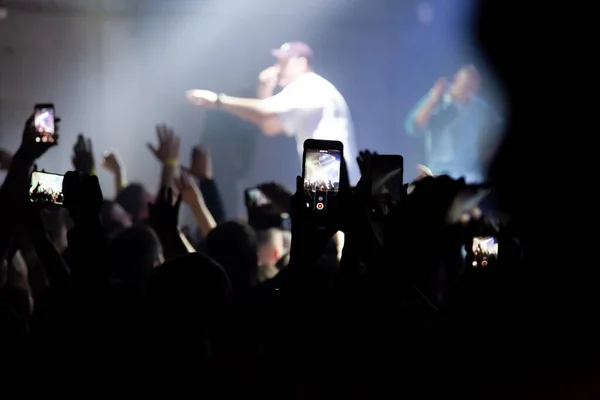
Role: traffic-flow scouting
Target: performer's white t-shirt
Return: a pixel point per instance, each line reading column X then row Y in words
column 312, row 108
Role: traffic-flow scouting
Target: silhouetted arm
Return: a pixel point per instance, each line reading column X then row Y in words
column 212, row 199
column 55, row 267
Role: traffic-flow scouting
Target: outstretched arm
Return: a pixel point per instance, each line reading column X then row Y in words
column 273, row 115
column 257, row 111
column 269, row 114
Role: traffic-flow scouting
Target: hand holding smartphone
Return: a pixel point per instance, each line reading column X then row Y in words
column 46, row 189
column 44, row 123
column 387, row 175
column 263, row 214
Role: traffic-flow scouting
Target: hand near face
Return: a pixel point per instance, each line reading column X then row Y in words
column 269, row 76
column 439, row 88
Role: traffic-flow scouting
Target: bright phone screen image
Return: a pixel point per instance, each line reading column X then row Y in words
column 46, row 189
column 485, row 250
column 256, row 198
column 393, row 186
column 322, row 170
column 44, row 124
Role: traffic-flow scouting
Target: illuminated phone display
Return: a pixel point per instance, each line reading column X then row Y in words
column 44, row 123
column 485, row 250
column 322, row 170
column 46, row 189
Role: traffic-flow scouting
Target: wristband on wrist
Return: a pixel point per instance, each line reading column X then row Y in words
column 172, row 163
column 93, row 171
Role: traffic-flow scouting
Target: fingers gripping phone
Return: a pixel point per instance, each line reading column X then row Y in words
column 321, row 171
column 44, row 123
column 46, row 189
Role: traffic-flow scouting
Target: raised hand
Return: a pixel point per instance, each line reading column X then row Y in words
column 188, row 189
column 268, row 80
column 34, row 193
column 32, row 149
column 364, row 162
column 439, row 88
column 83, row 155
column 5, row 159
column 167, row 151
column 423, row 171
column 202, row 98
column 190, row 194
column 201, row 163
column 164, row 213
column 112, row 162
column 82, row 196
column 269, row 76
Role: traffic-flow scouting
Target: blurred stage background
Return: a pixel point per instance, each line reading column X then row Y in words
column 115, row 68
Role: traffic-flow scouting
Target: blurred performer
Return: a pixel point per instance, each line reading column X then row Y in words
column 459, row 127
column 308, row 107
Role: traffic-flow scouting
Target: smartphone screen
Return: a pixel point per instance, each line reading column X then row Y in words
column 485, row 250
column 46, row 189
column 387, row 175
column 256, row 198
column 322, row 168
column 44, row 123
column 262, row 213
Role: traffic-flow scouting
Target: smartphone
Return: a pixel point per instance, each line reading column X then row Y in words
column 46, row 189
column 321, row 171
column 262, row 214
column 256, row 198
column 469, row 197
column 484, row 250
column 387, row 176
column 44, row 123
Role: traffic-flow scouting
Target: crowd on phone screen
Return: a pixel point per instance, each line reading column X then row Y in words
column 112, row 294
column 485, row 254
column 320, row 186
column 43, row 195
